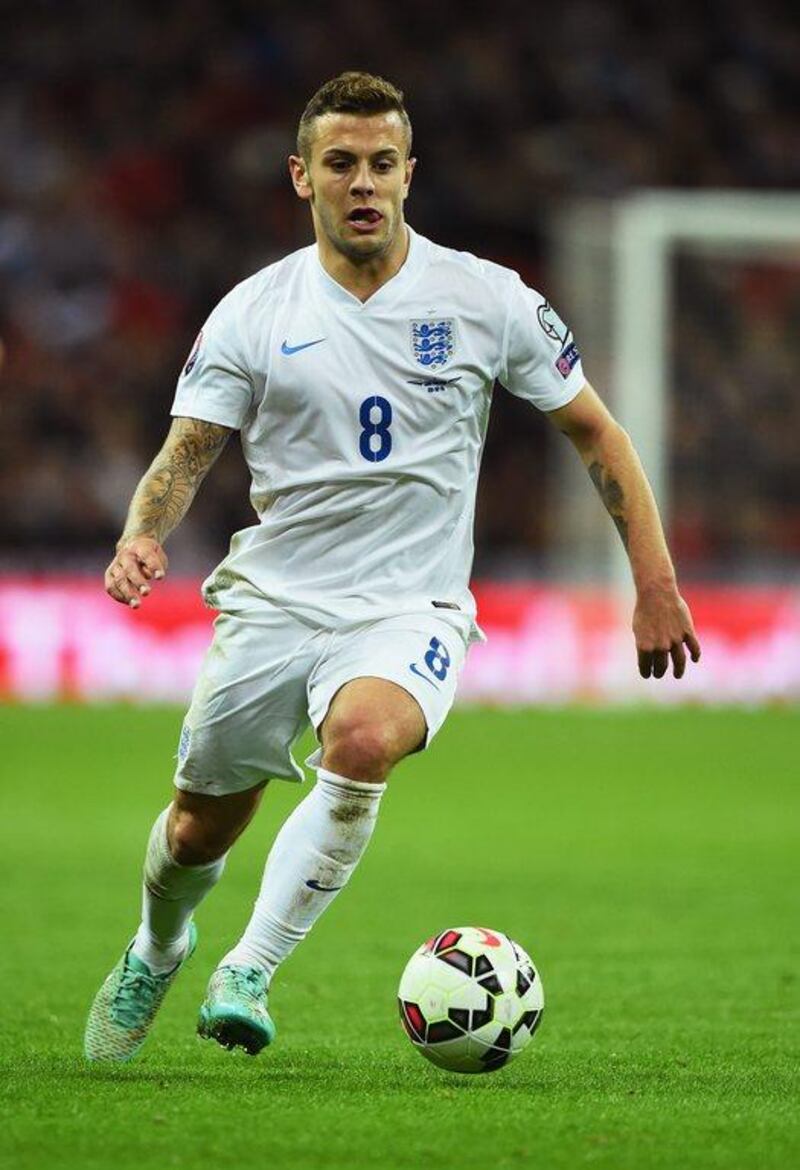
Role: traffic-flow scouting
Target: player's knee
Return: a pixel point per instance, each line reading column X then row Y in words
column 194, row 840
column 360, row 750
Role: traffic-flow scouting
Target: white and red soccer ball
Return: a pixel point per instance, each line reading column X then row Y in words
column 470, row 999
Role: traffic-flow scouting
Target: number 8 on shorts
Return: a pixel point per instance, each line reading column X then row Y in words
column 437, row 659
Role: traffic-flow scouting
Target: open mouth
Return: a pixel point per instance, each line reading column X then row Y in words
column 364, row 218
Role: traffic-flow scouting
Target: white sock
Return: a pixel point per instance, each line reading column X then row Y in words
column 170, row 894
column 312, row 858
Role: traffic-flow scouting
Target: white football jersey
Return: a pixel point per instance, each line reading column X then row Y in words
column 363, row 424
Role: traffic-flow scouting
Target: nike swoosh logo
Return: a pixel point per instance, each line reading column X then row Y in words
column 290, row 349
column 413, row 666
column 313, row 884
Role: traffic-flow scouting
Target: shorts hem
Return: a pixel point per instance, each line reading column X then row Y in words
column 200, row 788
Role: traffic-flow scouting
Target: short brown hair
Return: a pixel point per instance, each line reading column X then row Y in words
column 351, row 93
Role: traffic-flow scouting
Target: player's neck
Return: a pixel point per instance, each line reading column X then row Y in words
column 364, row 279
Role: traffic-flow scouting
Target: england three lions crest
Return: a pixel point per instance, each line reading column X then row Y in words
column 433, row 342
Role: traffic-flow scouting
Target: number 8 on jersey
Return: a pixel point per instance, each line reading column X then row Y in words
column 375, row 440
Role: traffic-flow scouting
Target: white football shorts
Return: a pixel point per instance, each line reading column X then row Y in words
column 268, row 674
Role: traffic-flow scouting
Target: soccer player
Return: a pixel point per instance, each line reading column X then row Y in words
column 359, row 372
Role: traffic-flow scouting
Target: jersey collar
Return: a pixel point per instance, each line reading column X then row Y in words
column 389, row 292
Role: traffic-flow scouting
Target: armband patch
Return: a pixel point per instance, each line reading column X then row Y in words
column 567, row 359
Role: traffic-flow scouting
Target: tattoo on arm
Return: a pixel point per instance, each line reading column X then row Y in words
column 612, row 496
column 169, row 485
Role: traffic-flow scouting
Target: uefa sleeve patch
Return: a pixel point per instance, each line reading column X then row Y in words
column 567, row 359
column 191, row 361
column 551, row 323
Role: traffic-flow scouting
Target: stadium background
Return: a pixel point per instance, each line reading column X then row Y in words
column 142, row 173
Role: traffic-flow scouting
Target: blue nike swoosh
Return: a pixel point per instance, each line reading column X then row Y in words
column 413, row 666
column 290, row 349
column 313, row 884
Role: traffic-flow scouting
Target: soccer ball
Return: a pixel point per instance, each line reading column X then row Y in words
column 470, row 999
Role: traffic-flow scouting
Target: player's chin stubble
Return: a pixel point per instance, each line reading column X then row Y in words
column 363, row 250
column 359, row 250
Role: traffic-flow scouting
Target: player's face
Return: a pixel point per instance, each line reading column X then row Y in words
column 356, row 181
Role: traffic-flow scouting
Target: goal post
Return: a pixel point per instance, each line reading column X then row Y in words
column 614, row 266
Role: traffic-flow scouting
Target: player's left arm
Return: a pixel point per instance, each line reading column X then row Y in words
column 662, row 623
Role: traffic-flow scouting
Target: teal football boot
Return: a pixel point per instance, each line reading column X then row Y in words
column 235, row 1010
column 126, row 1005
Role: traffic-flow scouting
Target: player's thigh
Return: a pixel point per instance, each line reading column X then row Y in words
column 249, row 703
column 397, row 676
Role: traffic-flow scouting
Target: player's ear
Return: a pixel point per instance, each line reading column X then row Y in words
column 299, row 175
column 410, row 165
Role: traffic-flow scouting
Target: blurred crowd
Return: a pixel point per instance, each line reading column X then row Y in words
column 142, row 173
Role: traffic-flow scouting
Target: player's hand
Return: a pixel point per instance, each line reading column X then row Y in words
column 662, row 626
column 137, row 563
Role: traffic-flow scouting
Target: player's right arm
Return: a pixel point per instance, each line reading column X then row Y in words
column 159, row 504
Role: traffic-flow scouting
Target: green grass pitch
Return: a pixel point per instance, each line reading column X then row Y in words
column 648, row 861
